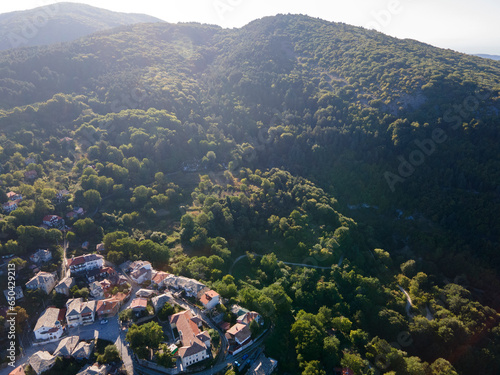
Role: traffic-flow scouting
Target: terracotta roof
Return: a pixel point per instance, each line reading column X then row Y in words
column 107, row 304
column 19, row 370
column 187, row 328
column 208, row 296
column 139, row 303
column 108, row 270
column 11, row 194
column 83, row 259
column 51, row 217
column 159, row 277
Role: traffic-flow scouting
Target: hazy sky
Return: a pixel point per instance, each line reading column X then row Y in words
column 466, row 26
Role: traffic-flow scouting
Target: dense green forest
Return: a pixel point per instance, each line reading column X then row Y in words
column 291, row 140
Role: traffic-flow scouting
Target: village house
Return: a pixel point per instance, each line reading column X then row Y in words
column 122, row 280
column 85, row 263
column 42, row 280
column 110, row 273
column 180, row 283
column 195, row 343
column 107, row 308
column 238, row 310
column 53, row 221
column 13, row 196
column 104, row 273
column 77, row 213
column 96, row 290
column 146, row 293
column 158, row 278
column 209, row 299
column 66, row 346
column 248, row 317
column 41, row 256
column 48, row 325
column 10, row 206
column 138, row 305
column 140, row 271
column 83, row 350
column 159, row 301
column 263, row 366
column 42, row 361
column 79, row 312
column 239, row 337
column 65, row 285
column 95, row 369
column 106, row 285
column 99, row 247
column 13, row 201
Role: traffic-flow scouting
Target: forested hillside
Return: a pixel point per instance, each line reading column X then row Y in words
column 291, row 139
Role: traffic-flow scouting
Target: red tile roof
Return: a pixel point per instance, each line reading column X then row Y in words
column 51, row 217
column 18, row 371
column 159, row 277
column 107, row 304
column 184, row 323
column 139, row 303
column 207, row 296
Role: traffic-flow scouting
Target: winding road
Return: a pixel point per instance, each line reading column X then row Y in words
column 287, row 263
column 409, row 303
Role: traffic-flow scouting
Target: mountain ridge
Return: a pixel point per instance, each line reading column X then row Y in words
column 60, row 22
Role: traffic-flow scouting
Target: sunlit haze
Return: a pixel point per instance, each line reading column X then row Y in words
column 465, row 26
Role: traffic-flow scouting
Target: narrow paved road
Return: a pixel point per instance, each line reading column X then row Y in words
column 287, row 263
column 409, row 303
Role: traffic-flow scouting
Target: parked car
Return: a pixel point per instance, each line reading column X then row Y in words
column 244, row 357
column 104, row 321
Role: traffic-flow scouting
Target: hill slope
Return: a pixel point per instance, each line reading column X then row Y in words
column 60, row 22
column 301, row 140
